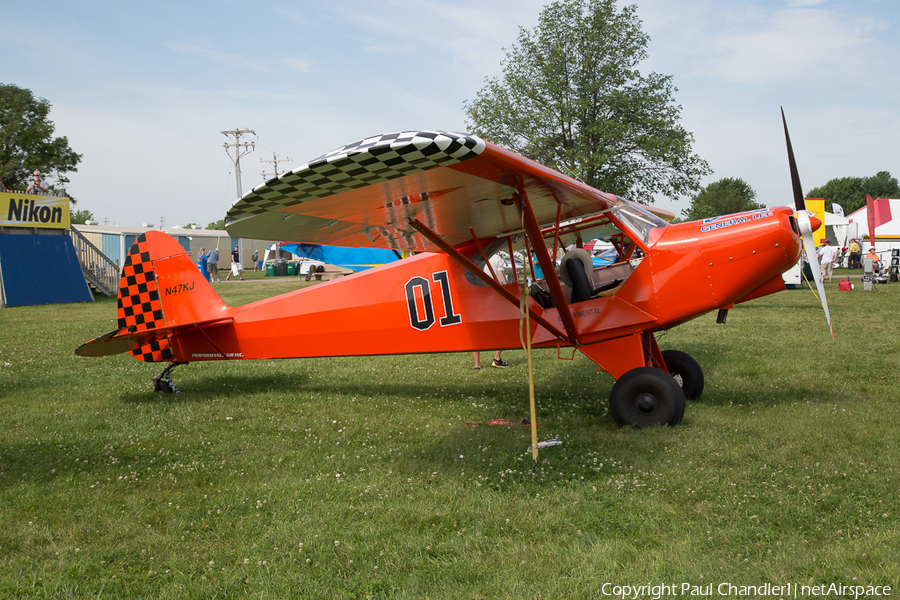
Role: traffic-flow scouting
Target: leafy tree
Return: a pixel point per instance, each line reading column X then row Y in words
column 850, row 192
column 26, row 140
column 80, row 217
column 217, row 225
column 571, row 98
column 723, row 197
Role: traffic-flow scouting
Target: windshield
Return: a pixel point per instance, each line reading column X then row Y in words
column 636, row 219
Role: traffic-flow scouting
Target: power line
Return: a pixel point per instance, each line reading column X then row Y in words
column 263, row 142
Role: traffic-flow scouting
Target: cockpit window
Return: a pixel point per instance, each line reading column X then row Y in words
column 500, row 263
column 636, row 219
column 608, row 243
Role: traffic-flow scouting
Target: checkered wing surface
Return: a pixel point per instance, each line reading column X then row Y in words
column 139, row 306
column 362, row 163
column 362, row 194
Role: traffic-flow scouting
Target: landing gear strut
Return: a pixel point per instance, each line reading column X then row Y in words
column 163, row 382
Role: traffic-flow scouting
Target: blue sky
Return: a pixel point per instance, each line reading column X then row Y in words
column 143, row 90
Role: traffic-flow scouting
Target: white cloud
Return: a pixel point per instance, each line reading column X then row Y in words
column 800, row 45
column 296, row 62
column 231, row 60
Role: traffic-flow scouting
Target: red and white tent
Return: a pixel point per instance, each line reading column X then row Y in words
column 886, row 213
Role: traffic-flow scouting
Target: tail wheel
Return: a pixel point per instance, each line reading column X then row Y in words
column 163, row 382
column 645, row 397
column 686, row 371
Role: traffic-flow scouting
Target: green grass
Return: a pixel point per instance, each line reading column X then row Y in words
column 362, row 477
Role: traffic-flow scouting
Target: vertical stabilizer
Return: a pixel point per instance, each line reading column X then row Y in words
column 161, row 287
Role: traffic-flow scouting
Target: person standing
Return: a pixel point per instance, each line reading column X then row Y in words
column 855, row 254
column 498, row 362
column 36, row 186
column 236, row 266
column 256, row 260
column 497, row 264
column 826, row 259
column 213, row 261
column 202, row 263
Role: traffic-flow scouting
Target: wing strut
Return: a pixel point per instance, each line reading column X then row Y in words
column 483, row 255
column 533, row 229
column 512, row 259
column 435, row 239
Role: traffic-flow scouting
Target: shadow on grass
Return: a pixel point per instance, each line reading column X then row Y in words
column 206, row 387
column 573, row 387
column 62, row 459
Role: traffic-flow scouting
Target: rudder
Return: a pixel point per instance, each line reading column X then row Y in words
column 161, row 287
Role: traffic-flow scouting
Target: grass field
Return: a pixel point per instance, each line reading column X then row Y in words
column 364, row 478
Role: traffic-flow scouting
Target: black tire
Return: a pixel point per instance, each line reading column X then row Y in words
column 645, row 397
column 686, row 371
column 162, row 386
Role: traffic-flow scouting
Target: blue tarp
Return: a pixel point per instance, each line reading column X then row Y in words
column 41, row 269
column 357, row 259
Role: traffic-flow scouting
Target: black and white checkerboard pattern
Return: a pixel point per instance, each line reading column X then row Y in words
column 365, row 162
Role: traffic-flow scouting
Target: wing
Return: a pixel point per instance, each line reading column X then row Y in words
column 362, row 194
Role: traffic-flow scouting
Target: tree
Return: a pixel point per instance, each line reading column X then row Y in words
column 80, row 217
column 850, row 192
column 723, row 197
column 217, row 225
column 571, row 98
column 26, row 140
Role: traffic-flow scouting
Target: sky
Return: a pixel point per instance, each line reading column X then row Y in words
column 143, row 90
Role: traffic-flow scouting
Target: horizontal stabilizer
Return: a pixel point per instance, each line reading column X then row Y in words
column 120, row 340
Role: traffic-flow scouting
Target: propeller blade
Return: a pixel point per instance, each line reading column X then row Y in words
column 799, row 202
column 803, row 220
column 806, row 226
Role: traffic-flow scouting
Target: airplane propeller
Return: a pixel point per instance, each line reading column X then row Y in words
column 805, row 223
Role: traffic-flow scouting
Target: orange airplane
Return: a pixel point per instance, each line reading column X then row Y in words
column 458, row 201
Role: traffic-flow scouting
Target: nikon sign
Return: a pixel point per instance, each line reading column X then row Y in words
column 28, row 210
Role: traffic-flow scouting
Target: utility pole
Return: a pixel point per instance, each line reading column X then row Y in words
column 238, row 145
column 276, row 160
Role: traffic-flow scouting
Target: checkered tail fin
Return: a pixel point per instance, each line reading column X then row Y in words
column 161, row 288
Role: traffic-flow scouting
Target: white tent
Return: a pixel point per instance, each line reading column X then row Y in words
column 839, row 233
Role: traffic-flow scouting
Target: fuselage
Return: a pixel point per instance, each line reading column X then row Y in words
column 427, row 303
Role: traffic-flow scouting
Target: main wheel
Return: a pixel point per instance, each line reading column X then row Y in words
column 645, row 397
column 686, row 371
